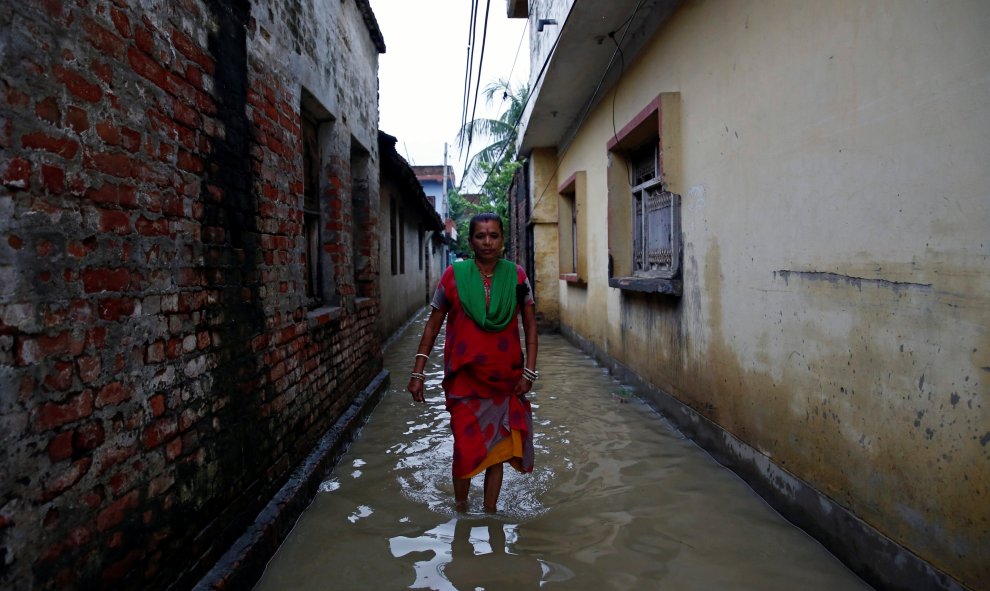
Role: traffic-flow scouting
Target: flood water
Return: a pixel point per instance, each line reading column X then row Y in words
column 618, row 500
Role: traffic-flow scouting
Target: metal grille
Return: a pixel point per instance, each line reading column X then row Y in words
column 644, row 167
column 656, row 231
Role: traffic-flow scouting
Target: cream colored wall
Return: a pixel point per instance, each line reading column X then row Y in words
column 836, row 225
column 543, row 191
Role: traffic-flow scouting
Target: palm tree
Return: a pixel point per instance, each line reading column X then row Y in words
column 502, row 131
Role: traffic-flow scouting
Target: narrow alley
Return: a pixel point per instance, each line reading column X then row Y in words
column 618, row 500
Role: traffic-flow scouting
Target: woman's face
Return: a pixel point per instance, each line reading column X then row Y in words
column 486, row 241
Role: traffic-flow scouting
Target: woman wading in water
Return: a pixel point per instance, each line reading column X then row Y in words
column 486, row 376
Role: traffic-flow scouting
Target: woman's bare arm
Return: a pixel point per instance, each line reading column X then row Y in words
column 532, row 345
column 430, row 332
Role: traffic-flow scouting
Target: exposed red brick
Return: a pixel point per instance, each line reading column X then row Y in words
column 194, row 76
column 186, row 115
column 148, row 227
column 113, row 309
column 115, row 221
column 108, row 132
column 99, row 279
column 89, row 436
column 116, row 164
column 110, row 456
column 173, row 448
column 120, row 21
column 113, row 393
column 156, row 433
column 64, row 147
column 104, row 72
column 53, row 178
column 103, row 39
column 114, row 513
column 118, row 482
column 59, row 377
column 144, row 39
column 155, row 352
column 109, row 193
column 48, row 110
column 18, row 174
column 60, row 447
column 16, row 98
column 130, row 139
column 50, row 415
column 77, row 119
column 157, row 403
column 65, row 480
column 147, row 67
column 77, row 84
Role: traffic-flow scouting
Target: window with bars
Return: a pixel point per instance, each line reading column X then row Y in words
column 655, row 218
column 644, row 207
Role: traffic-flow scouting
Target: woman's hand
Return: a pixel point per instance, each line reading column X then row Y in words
column 416, row 388
column 522, row 387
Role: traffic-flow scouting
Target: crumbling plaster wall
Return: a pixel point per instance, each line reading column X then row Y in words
column 160, row 370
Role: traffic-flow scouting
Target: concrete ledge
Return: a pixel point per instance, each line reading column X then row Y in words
column 243, row 564
column 870, row 554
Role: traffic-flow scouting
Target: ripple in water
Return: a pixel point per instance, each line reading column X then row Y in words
column 617, row 500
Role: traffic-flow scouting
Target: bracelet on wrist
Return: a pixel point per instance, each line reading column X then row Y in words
column 531, row 374
column 423, row 355
column 418, row 376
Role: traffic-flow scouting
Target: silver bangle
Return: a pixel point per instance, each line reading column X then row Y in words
column 418, row 376
column 423, row 355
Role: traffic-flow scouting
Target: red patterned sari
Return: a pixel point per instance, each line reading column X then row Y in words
column 481, row 369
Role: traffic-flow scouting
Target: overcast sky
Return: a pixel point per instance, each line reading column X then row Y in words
column 421, row 74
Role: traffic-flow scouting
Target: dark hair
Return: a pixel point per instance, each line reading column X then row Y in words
column 485, row 217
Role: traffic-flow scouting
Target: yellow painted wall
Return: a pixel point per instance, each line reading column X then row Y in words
column 836, row 226
column 543, row 189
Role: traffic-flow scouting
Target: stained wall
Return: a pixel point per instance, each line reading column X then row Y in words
column 162, row 369
column 835, row 211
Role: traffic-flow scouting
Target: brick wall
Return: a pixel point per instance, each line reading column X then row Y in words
column 160, row 370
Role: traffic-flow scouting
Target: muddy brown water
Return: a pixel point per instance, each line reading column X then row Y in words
column 618, row 500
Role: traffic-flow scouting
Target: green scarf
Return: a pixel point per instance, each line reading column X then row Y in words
column 471, row 291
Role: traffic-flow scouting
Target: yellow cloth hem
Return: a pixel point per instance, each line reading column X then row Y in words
column 509, row 450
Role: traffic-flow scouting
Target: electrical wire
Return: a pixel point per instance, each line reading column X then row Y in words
column 591, row 100
column 515, row 124
column 519, row 47
column 481, row 61
column 466, row 97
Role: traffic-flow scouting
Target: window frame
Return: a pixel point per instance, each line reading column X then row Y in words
column 573, row 229
column 656, row 126
column 315, row 126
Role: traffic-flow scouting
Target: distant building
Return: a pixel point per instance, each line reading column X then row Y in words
column 431, row 177
column 433, row 182
column 411, row 243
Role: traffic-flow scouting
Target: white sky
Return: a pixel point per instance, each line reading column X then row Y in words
column 421, row 74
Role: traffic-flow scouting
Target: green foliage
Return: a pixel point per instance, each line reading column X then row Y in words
column 494, row 198
column 493, row 165
column 501, row 132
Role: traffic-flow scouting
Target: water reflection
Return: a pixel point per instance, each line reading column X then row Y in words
column 618, row 500
column 467, row 554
